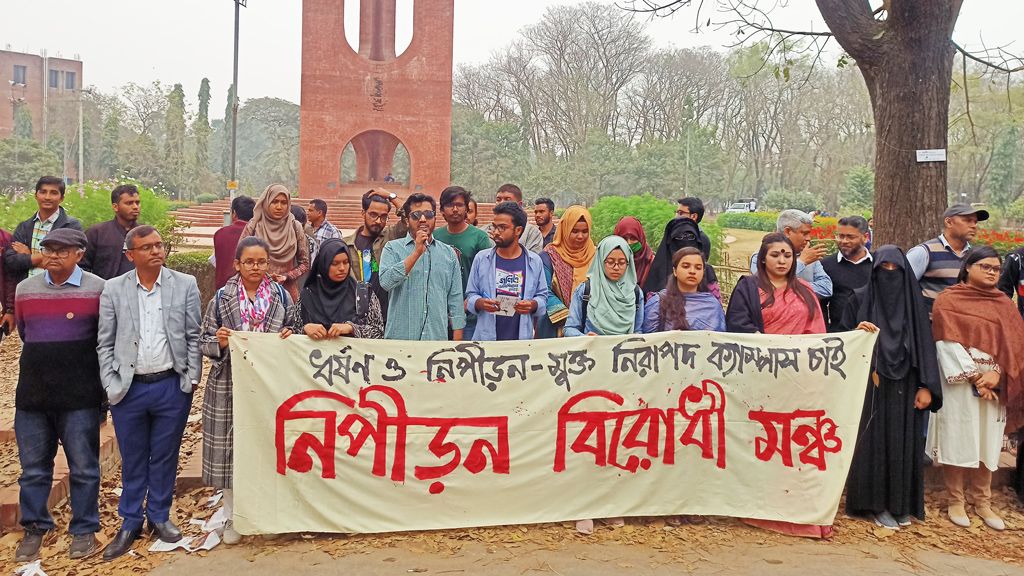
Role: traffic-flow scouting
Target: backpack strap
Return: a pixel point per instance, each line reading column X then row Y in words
column 661, row 313
column 216, row 298
column 585, row 299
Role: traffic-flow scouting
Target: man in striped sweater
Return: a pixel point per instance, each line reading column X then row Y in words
column 59, row 394
column 936, row 262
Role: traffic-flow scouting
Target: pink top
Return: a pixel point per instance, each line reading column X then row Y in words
column 788, row 315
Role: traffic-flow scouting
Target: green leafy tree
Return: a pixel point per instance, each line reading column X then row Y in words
column 1006, row 168
column 174, row 141
column 859, row 189
column 110, row 142
column 201, row 129
column 22, row 162
column 22, row 122
column 226, row 127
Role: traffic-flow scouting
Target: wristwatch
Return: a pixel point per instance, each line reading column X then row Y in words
column 392, row 196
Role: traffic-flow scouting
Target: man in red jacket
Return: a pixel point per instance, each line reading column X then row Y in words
column 225, row 240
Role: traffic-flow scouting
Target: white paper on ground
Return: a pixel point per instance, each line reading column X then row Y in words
column 215, row 521
column 205, row 542
column 213, row 500
column 161, row 546
column 31, row 569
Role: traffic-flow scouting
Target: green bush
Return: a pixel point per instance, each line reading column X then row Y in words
column 196, row 264
column 784, row 200
column 762, row 221
column 89, row 202
column 206, row 198
column 653, row 214
column 173, row 205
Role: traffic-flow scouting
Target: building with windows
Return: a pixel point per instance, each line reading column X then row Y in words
column 34, row 81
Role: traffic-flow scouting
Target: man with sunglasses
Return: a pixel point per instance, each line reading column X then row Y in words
column 423, row 278
column 149, row 366
column 467, row 240
column 59, row 396
column 366, row 244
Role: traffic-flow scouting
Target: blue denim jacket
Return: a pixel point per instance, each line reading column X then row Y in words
column 481, row 282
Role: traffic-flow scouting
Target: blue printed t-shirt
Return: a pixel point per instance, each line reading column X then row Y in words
column 509, row 280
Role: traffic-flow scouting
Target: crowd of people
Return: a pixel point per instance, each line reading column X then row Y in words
column 105, row 325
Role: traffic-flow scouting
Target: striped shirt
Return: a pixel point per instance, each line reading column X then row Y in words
column 40, row 228
column 422, row 303
column 936, row 266
column 59, row 324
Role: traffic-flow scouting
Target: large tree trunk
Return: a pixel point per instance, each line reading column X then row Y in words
column 907, row 63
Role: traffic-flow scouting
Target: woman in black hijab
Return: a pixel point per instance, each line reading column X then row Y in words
column 886, row 480
column 332, row 303
column 679, row 233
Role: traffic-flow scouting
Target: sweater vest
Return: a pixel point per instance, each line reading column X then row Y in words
column 943, row 268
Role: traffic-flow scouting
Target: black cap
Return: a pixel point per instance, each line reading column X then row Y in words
column 65, row 237
column 964, row 210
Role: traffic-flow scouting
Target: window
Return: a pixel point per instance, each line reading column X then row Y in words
column 54, row 79
column 69, row 80
column 19, row 74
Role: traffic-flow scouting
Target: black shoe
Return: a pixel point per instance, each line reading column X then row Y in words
column 121, row 544
column 165, row 531
column 83, row 545
column 28, row 550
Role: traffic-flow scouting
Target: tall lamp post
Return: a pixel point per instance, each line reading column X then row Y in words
column 233, row 184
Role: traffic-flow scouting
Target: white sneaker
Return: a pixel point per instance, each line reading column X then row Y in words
column 903, row 520
column 230, row 537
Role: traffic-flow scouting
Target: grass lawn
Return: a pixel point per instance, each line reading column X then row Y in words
column 740, row 244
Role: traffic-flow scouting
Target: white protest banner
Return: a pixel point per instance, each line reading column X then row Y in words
column 352, row 435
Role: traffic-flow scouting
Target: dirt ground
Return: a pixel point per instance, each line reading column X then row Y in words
column 644, row 546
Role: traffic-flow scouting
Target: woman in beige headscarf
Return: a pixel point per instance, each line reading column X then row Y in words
column 272, row 222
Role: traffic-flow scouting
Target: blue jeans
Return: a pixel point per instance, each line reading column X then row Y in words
column 149, row 422
column 37, row 434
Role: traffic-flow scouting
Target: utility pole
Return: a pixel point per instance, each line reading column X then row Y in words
column 232, row 186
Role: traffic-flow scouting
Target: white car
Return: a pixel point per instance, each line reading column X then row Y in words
column 738, row 208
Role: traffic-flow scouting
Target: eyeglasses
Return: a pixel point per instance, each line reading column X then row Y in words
column 255, row 264
column 682, row 212
column 377, row 218
column 500, row 228
column 616, row 263
column 460, row 205
column 156, row 246
column 989, row 268
column 428, row 214
column 60, row 252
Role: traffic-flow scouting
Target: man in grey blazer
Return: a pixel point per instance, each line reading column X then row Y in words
column 149, row 365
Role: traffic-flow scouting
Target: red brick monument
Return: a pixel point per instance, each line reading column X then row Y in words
column 374, row 99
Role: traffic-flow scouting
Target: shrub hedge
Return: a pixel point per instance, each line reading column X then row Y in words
column 196, row 264
column 763, row 221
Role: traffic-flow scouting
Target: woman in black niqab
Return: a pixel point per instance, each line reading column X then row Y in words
column 328, row 306
column 679, row 233
column 887, row 472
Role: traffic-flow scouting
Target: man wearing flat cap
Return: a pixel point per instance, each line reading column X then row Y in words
column 936, row 262
column 149, row 366
column 59, row 395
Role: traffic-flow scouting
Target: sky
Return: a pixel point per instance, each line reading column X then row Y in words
column 121, row 41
